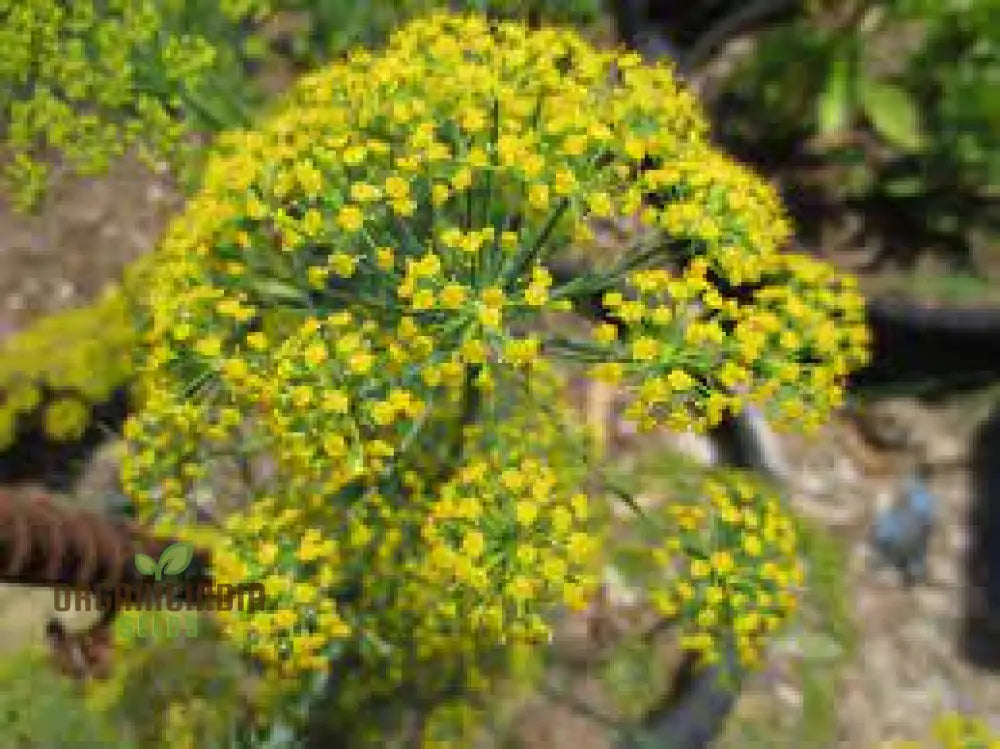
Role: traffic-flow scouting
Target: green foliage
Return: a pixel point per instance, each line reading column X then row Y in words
column 892, row 112
column 921, row 77
column 82, row 82
column 824, row 637
column 558, row 11
column 829, row 619
column 178, row 683
column 825, row 557
column 959, row 65
column 66, row 364
column 636, row 678
column 41, row 709
column 956, row 287
column 324, row 29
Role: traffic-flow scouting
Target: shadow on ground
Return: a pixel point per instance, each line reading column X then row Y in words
column 37, row 459
column 981, row 641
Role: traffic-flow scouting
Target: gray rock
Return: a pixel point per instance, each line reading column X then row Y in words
column 943, row 449
column 891, row 423
column 99, row 486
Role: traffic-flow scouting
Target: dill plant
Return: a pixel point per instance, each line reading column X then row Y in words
column 63, row 366
column 359, row 300
column 83, row 82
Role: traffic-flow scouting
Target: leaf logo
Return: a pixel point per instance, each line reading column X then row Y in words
column 173, row 560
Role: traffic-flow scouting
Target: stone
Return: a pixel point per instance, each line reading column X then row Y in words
column 943, row 449
column 620, row 594
column 101, row 476
column 934, row 602
column 697, row 447
column 789, row 695
column 845, row 471
column 64, row 290
column 946, row 572
column 830, row 513
column 810, row 482
column 891, row 423
column 16, row 302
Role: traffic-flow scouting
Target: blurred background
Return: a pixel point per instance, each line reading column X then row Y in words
column 878, row 120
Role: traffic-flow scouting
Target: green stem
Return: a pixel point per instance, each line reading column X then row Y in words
column 592, row 283
column 629, row 500
column 492, row 254
column 533, row 251
column 471, row 405
column 406, row 234
column 412, row 434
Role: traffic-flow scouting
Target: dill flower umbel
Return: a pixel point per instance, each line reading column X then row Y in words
column 66, row 363
column 730, row 565
column 359, row 299
column 953, row 730
column 956, row 731
column 87, row 81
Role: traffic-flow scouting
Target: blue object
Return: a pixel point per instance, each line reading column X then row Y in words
column 902, row 532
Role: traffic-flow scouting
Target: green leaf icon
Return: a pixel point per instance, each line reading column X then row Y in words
column 174, row 559
column 145, row 564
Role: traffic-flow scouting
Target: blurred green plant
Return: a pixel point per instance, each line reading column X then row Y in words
column 311, row 32
column 82, row 82
column 827, row 617
column 826, row 560
column 897, row 98
column 34, row 695
column 181, row 688
column 63, row 366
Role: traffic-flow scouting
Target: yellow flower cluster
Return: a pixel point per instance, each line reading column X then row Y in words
column 731, row 568
column 65, row 363
column 701, row 354
column 431, row 570
column 89, row 80
column 356, row 297
column 506, row 533
column 956, row 731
